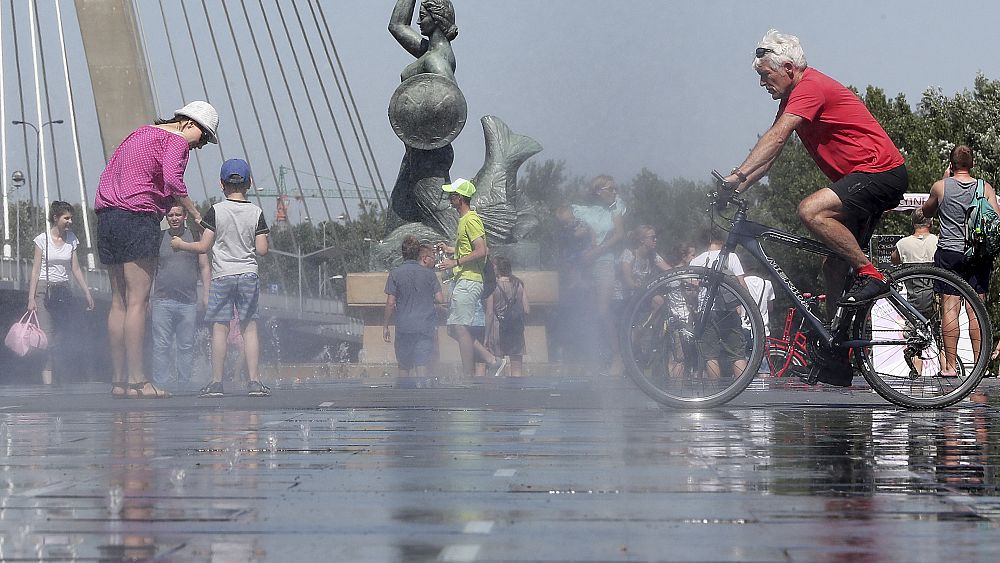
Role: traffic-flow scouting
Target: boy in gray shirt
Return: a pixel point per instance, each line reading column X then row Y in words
column 412, row 290
column 235, row 230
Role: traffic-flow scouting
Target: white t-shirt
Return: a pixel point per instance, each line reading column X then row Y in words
column 60, row 260
column 914, row 249
column 762, row 293
column 708, row 258
column 733, row 266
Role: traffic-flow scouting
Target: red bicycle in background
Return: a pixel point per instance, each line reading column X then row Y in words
column 789, row 350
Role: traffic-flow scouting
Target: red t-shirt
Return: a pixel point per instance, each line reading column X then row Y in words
column 839, row 132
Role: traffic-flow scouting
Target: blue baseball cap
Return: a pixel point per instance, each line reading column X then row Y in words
column 235, row 171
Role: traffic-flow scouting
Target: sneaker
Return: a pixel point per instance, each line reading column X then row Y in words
column 865, row 290
column 213, row 389
column 258, row 389
column 501, row 363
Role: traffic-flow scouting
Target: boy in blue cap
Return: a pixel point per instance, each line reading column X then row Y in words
column 235, row 230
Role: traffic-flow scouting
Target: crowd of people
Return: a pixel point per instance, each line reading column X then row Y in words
column 486, row 309
column 158, row 271
column 602, row 262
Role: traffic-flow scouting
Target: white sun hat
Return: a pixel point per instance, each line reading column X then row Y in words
column 205, row 115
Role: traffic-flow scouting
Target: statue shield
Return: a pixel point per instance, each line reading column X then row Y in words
column 427, row 111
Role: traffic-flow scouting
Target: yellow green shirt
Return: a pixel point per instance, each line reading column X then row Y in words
column 470, row 227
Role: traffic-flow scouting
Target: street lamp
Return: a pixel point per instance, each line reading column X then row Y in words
column 17, row 178
column 38, row 155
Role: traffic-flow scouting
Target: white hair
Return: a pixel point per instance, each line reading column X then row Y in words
column 782, row 48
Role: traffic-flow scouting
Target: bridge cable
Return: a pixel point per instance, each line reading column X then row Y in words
column 312, row 107
column 204, row 83
column 253, row 102
column 329, row 107
column 277, row 115
column 3, row 155
column 295, row 112
column 225, row 83
column 48, row 108
column 180, row 86
column 20, row 95
column 350, row 95
column 274, row 107
column 76, row 141
column 40, row 131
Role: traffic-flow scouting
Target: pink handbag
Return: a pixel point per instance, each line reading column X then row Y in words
column 26, row 335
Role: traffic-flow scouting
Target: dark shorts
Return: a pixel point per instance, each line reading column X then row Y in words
column 511, row 338
column 723, row 339
column 866, row 196
column 976, row 272
column 127, row 236
column 414, row 349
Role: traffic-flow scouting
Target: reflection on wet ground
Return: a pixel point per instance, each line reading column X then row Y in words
column 561, row 468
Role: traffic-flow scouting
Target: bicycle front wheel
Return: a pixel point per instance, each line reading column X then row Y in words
column 693, row 338
column 924, row 365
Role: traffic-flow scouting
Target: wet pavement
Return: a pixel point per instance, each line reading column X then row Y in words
column 544, row 468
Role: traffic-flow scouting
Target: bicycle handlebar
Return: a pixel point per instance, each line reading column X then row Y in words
column 726, row 192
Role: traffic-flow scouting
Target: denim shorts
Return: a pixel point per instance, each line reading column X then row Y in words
column 127, row 236
column 239, row 290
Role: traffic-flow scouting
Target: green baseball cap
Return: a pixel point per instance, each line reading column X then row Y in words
column 460, row 186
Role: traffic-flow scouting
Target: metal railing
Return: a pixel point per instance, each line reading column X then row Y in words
column 15, row 274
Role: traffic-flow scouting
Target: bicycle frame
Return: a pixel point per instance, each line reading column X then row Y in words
column 747, row 234
column 792, row 344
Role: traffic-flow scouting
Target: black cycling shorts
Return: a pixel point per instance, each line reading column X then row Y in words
column 865, row 196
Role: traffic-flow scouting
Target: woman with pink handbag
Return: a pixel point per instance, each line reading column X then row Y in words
column 49, row 292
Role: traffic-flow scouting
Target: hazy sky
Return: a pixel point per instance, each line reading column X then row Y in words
column 607, row 86
column 618, row 86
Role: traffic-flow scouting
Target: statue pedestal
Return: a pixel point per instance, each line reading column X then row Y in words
column 366, row 300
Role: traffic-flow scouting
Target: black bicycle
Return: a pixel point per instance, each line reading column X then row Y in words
column 694, row 337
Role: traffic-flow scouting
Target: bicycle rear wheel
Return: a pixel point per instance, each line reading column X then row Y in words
column 781, row 359
column 686, row 348
column 958, row 324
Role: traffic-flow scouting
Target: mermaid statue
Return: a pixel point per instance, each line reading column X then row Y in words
column 427, row 112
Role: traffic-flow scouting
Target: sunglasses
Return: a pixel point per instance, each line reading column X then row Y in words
column 761, row 51
column 205, row 137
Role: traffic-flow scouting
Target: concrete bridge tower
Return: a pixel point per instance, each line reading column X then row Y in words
column 114, row 50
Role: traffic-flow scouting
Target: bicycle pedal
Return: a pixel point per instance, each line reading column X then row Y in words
column 805, row 374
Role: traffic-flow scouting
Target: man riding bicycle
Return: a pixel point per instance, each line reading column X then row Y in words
column 866, row 169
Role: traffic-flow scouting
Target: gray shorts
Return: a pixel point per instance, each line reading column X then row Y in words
column 414, row 349
column 464, row 302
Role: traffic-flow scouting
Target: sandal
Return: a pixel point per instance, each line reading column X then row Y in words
column 136, row 391
column 118, row 390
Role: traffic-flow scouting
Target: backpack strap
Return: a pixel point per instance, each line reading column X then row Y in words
column 980, row 189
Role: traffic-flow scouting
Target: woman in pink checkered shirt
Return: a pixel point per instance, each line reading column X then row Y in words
column 142, row 181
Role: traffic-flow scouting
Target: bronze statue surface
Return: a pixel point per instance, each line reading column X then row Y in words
column 427, row 111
